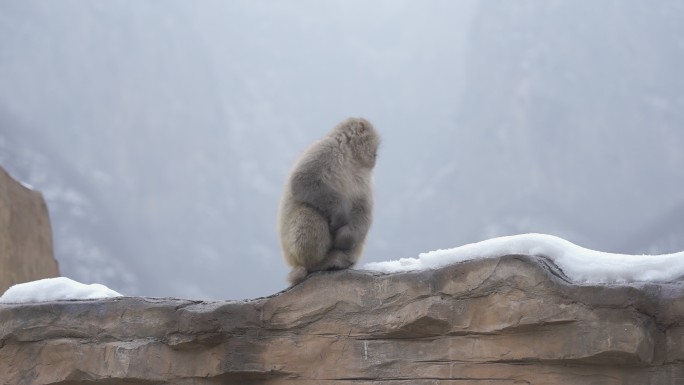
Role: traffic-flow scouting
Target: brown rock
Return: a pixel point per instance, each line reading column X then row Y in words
column 25, row 235
column 506, row 321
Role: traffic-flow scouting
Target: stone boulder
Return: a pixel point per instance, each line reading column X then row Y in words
column 505, row 321
column 25, row 235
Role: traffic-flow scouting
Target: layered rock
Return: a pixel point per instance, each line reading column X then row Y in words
column 510, row 320
column 25, row 235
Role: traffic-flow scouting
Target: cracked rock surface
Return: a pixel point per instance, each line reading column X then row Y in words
column 505, row 321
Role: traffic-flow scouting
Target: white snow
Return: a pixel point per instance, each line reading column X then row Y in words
column 54, row 289
column 578, row 263
column 28, row 186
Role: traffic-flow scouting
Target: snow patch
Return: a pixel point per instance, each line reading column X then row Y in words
column 578, row 263
column 55, row 289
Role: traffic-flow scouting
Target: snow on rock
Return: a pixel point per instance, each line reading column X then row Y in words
column 54, row 289
column 578, row 263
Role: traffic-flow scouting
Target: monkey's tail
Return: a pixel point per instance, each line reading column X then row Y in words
column 297, row 275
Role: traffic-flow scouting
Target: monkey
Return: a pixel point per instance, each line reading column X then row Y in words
column 325, row 210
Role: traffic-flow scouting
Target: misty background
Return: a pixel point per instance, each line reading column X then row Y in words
column 161, row 133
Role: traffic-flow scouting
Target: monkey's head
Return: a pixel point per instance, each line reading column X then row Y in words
column 361, row 138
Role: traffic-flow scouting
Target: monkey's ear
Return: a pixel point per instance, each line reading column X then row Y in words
column 362, row 128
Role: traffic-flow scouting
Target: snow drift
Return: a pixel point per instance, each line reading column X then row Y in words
column 578, row 263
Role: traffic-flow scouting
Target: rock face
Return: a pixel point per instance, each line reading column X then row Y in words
column 25, row 235
column 506, row 321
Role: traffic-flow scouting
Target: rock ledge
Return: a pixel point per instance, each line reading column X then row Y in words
column 510, row 320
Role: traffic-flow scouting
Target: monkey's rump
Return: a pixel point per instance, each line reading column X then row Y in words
column 305, row 236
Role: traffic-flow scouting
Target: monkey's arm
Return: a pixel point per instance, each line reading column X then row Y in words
column 310, row 188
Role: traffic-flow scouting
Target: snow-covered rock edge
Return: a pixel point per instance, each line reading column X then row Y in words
column 578, row 263
column 55, row 289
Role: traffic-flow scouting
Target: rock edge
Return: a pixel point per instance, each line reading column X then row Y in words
column 509, row 320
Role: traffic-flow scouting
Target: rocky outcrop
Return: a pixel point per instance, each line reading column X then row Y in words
column 510, row 320
column 25, row 235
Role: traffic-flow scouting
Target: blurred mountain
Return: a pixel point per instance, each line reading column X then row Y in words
column 571, row 123
column 166, row 131
column 85, row 230
column 161, row 134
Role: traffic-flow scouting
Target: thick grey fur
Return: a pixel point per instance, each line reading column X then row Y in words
column 326, row 208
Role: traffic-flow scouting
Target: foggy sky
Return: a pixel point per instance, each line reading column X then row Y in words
column 161, row 133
